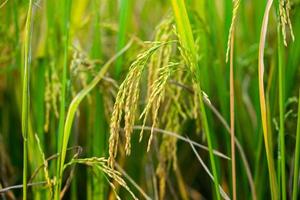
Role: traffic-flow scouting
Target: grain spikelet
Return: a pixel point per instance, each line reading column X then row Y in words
column 156, row 97
column 163, row 34
column 236, row 4
column 102, row 164
column 157, row 69
column 126, row 100
column 284, row 14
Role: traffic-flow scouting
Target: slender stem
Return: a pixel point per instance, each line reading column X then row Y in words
column 26, row 97
column 123, row 26
column 297, row 155
column 187, row 41
column 236, row 4
column 266, row 133
column 281, row 112
column 67, row 8
column 98, row 132
column 233, row 168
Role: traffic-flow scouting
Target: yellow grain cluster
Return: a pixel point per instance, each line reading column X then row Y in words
column 101, row 164
column 127, row 102
column 236, row 5
column 284, row 12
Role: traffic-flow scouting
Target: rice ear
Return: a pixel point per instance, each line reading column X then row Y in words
column 126, row 101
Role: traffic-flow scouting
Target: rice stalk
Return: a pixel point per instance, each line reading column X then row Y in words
column 297, row 156
column 281, row 86
column 66, row 27
column 26, row 94
column 266, row 132
column 187, row 42
column 233, row 171
column 230, row 47
column 173, row 93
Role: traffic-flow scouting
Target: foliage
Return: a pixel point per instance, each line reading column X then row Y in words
column 213, row 86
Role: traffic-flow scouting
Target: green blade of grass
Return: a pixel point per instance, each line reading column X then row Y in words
column 187, row 40
column 123, row 27
column 95, row 33
column 297, row 155
column 26, row 96
column 266, row 132
column 281, row 86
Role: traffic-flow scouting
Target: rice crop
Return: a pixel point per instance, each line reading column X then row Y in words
column 149, row 99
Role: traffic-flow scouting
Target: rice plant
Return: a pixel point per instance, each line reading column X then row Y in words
column 149, row 99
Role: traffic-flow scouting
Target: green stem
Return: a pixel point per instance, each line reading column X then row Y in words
column 187, row 40
column 281, row 112
column 97, row 136
column 123, row 26
column 297, row 155
column 26, row 97
column 233, row 167
column 67, row 8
